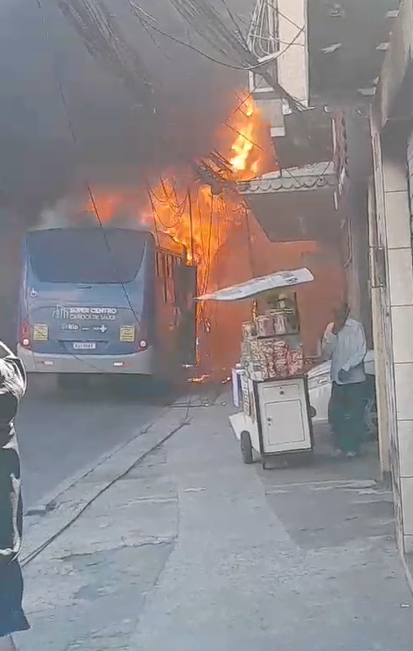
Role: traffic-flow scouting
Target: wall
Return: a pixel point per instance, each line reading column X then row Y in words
column 396, row 63
column 293, row 64
column 396, row 313
column 356, row 263
column 352, row 156
column 378, row 340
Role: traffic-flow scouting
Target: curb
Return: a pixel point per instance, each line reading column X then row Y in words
column 48, row 501
column 70, row 502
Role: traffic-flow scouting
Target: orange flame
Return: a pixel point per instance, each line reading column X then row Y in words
column 189, row 211
column 244, row 144
column 201, row 221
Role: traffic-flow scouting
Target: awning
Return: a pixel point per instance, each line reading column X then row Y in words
column 296, row 204
column 259, row 285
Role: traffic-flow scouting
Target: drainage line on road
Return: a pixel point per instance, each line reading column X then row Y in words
column 35, row 553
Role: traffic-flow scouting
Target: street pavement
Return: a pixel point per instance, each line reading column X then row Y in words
column 172, row 544
column 62, row 434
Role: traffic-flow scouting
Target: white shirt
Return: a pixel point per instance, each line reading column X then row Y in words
column 347, row 351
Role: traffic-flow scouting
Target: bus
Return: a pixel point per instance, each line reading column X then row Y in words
column 106, row 301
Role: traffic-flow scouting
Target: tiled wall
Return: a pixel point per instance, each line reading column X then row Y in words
column 400, row 272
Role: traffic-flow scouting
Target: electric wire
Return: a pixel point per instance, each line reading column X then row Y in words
column 204, row 54
column 51, row 539
column 241, row 49
column 255, row 144
column 211, row 17
column 76, row 146
column 311, row 185
column 158, row 218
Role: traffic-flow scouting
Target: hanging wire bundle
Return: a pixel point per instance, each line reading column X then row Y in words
column 212, row 26
column 100, row 33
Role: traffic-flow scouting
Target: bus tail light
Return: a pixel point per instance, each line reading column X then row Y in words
column 25, row 338
column 142, row 342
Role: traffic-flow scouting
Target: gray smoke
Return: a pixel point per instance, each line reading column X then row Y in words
column 40, row 50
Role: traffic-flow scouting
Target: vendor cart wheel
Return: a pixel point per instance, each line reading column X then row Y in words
column 246, row 448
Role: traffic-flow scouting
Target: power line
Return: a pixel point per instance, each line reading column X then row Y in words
column 76, row 146
column 100, row 33
column 240, row 47
column 255, row 144
column 210, row 15
column 167, row 227
column 204, row 54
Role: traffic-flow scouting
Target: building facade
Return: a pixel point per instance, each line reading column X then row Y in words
column 359, row 65
column 392, row 261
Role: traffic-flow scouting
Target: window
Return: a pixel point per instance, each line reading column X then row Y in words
column 169, row 266
column 94, row 255
column 164, row 273
column 159, row 264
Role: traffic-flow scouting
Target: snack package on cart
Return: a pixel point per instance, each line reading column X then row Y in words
column 295, row 361
column 271, row 343
column 280, row 322
column 248, row 330
column 265, row 325
column 280, row 349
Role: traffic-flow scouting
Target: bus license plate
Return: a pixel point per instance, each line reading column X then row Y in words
column 84, row 345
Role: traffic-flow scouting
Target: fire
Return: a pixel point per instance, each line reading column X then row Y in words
column 244, row 143
column 189, row 211
column 195, row 213
column 196, row 217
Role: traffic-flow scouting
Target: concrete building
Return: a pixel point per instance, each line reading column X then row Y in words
column 391, row 244
column 358, row 62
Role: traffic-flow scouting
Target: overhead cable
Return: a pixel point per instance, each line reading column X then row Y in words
column 208, row 23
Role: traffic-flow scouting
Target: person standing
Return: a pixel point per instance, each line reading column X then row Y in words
column 12, row 388
column 344, row 342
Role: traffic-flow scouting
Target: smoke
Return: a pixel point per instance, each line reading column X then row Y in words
column 61, row 214
column 43, row 172
column 40, row 53
column 122, row 209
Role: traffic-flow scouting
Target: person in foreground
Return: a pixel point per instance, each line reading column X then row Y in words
column 12, row 388
column 344, row 342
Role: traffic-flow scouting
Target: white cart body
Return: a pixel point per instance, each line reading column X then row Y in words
column 276, row 413
column 276, row 416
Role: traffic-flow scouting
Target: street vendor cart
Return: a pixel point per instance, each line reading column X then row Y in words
column 270, row 384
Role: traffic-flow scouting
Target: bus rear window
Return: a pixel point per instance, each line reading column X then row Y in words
column 86, row 256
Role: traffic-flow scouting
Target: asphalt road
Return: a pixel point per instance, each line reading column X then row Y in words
column 62, row 434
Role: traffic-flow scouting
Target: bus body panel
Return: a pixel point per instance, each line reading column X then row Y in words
column 95, row 315
column 141, row 363
column 86, row 326
column 102, row 301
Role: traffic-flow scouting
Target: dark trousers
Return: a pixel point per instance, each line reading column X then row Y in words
column 346, row 413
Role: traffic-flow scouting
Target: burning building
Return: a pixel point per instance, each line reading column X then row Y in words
column 180, row 176
column 200, row 205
